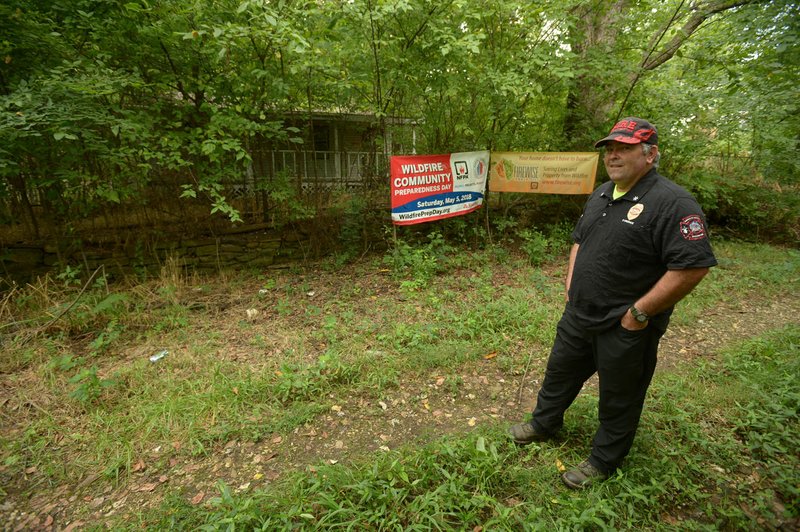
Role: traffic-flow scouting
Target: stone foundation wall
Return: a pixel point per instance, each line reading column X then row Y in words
column 245, row 248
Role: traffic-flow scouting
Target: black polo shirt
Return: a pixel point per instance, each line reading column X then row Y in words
column 627, row 244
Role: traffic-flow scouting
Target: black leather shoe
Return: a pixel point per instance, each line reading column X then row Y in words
column 582, row 476
column 524, row 433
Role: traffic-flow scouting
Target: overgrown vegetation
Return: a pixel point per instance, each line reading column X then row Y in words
column 252, row 358
column 715, row 453
column 97, row 134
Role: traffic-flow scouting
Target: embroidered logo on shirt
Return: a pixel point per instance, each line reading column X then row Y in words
column 692, row 228
column 635, row 211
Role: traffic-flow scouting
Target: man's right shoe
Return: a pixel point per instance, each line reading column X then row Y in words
column 524, row 433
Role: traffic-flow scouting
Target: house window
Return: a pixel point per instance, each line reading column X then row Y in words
column 322, row 137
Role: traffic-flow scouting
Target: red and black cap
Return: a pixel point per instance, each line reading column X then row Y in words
column 631, row 130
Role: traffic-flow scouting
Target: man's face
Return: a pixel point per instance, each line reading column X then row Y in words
column 626, row 163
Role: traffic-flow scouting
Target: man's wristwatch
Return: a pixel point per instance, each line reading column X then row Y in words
column 638, row 315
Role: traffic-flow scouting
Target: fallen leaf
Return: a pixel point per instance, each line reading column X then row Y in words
column 147, row 487
column 471, row 421
column 339, row 444
column 560, row 466
column 383, row 405
column 48, row 521
column 197, row 499
column 277, row 439
column 258, row 476
column 439, row 381
column 235, row 390
column 333, row 462
column 96, row 503
column 30, row 470
column 490, row 356
column 163, row 478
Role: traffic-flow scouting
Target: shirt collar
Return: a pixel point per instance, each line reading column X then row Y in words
column 639, row 189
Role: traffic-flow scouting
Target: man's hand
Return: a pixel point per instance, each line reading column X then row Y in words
column 631, row 323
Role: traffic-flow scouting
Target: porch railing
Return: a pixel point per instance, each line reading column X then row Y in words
column 326, row 168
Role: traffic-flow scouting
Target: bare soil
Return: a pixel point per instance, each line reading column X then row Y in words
column 421, row 410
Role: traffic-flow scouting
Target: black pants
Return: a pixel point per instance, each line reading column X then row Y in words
column 624, row 361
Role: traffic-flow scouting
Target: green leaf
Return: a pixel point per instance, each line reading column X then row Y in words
column 480, row 445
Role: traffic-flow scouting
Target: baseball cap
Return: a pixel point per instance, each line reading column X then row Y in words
column 631, row 130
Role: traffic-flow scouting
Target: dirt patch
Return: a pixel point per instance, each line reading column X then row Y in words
column 421, row 410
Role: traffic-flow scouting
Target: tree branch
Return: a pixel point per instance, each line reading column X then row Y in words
column 701, row 13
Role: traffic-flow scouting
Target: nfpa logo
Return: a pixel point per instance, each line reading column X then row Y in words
column 462, row 169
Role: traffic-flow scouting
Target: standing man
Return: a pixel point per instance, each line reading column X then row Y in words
column 641, row 245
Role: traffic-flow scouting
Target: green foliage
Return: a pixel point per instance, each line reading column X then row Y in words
column 93, row 127
column 89, row 387
column 306, row 382
column 768, row 367
column 535, row 245
column 420, row 262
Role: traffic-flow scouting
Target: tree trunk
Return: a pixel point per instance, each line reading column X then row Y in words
column 596, row 93
column 591, row 96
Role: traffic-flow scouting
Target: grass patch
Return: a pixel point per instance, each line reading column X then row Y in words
column 714, row 453
column 262, row 355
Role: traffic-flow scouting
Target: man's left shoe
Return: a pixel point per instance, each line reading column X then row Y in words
column 582, row 476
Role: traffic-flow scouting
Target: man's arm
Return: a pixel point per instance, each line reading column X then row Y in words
column 573, row 252
column 671, row 288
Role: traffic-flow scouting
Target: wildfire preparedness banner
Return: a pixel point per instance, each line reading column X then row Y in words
column 432, row 187
column 544, row 173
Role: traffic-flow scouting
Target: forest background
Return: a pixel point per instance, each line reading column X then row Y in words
column 104, row 103
column 373, row 391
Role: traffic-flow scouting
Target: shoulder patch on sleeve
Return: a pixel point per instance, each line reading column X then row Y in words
column 692, row 227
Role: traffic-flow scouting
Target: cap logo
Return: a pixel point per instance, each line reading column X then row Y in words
column 635, row 211
column 627, row 125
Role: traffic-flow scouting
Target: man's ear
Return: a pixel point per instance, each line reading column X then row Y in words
column 651, row 157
